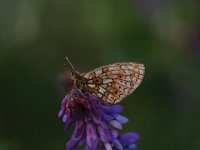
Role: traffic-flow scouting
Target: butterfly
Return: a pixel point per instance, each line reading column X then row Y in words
column 110, row 83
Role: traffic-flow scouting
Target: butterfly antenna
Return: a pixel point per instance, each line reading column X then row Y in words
column 70, row 64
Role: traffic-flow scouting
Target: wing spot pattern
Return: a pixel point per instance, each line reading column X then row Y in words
column 114, row 82
column 107, row 81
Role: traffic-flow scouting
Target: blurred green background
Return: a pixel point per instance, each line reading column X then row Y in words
column 36, row 35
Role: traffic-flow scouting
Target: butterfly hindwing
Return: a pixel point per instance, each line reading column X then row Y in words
column 114, row 82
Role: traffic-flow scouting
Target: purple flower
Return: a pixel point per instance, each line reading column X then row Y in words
column 94, row 123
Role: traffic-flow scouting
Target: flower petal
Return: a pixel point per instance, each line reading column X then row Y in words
column 116, row 124
column 121, row 119
column 105, row 133
column 128, row 139
column 132, row 147
column 69, row 123
column 114, row 133
column 91, row 137
column 108, row 146
column 116, row 108
column 64, row 119
column 61, row 112
column 77, row 136
column 117, row 144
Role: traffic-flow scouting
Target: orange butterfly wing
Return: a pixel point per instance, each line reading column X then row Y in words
column 112, row 83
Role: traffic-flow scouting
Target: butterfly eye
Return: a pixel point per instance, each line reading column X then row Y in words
column 72, row 73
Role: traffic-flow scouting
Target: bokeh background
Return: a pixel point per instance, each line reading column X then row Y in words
column 36, row 35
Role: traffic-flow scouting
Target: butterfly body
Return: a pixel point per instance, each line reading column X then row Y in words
column 111, row 83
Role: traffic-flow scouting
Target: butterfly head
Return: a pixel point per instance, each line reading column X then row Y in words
column 78, row 79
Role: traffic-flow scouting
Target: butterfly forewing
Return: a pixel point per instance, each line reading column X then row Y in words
column 114, row 82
